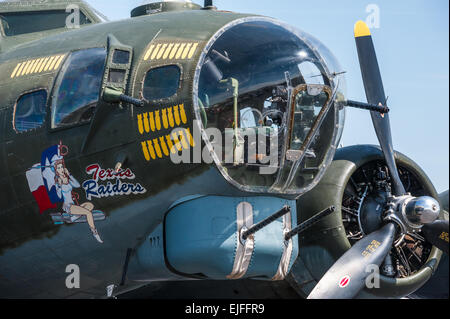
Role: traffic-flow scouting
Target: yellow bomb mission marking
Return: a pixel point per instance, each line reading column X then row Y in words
column 171, row 51
column 45, row 64
column 164, row 145
column 166, row 118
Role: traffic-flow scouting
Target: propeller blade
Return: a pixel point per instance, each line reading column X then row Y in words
column 373, row 85
column 437, row 234
column 347, row 277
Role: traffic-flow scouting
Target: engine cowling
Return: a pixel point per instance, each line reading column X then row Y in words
column 354, row 184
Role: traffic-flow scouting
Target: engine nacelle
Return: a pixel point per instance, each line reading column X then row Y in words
column 356, row 184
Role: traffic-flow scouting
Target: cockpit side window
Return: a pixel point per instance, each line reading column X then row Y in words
column 162, row 82
column 29, row 111
column 77, row 88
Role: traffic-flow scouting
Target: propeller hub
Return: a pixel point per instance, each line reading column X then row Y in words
column 422, row 210
column 411, row 213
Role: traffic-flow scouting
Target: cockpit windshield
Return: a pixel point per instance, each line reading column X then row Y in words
column 17, row 23
column 268, row 92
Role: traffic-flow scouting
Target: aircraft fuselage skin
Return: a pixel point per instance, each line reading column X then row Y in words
column 34, row 252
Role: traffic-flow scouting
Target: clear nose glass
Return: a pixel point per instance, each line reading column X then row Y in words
column 250, row 105
column 309, row 103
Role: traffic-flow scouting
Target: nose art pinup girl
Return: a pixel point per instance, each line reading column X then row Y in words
column 64, row 186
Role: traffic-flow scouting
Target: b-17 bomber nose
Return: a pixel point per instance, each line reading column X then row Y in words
column 275, row 99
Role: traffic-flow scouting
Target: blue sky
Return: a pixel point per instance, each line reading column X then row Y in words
column 413, row 51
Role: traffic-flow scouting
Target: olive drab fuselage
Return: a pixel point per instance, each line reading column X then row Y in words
column 117, row 165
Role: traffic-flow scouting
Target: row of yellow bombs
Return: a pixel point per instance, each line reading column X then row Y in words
column 168, row 117
column 164, row 145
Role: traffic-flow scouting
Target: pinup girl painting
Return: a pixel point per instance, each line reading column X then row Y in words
column 65, row 183
column 52, row 186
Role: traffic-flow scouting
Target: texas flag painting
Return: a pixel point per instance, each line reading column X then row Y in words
column 41, row 180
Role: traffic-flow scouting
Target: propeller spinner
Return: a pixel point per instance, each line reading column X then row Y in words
column 405, row 213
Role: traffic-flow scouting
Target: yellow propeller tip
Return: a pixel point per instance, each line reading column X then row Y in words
column 361, row 29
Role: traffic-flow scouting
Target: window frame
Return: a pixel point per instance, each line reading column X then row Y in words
column 53, row 91
column 45, row 118
column 2, row 32
column 173, row 96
